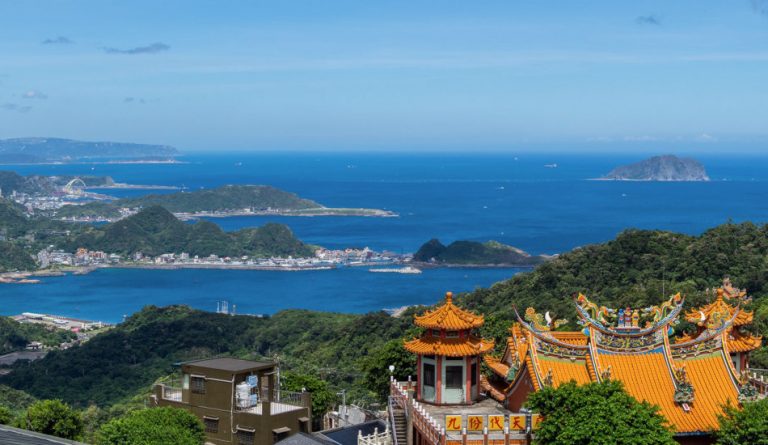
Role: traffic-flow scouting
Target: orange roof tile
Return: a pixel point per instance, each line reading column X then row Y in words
column 450, row 347
column 564, row 369
column 742, row 342
column 646, row 376
column 494, row 390
column 576, row 338
column 713, row 388
column 449, row 317
column 498, row 368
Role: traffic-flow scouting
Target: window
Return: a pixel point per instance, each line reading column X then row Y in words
column 198, row 385
column 245, row 437
column 211, row 424
column 454, row 376
column 452, row 334
column 473, row 373
column 429, row 374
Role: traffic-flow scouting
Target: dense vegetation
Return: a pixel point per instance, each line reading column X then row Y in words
column 125, row 360
column 167, row 426
column 638, row 268
column 229, row 197
column 472, row 252
column 154, row 231
column 52, row 417
column 15, row 336
column 748, row 425
column 597, row 414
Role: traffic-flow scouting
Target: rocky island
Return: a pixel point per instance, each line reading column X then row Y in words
column 660, row 168
column 473, row 253
column 226, row 201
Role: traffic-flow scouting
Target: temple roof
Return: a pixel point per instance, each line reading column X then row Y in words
column 726, row 306
column 728, row 300
column 449, row 317
column 450, row 347
column 639, row 354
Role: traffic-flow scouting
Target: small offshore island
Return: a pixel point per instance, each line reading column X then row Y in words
column 660, row 168
column 475, row 254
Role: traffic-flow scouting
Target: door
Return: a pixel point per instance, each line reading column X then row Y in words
column 453, row 383
column 428, row 382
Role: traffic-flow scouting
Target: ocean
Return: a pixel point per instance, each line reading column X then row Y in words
column 512, row 198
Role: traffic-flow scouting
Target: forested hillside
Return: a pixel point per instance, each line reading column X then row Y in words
column 154, row 231
column 639, row 268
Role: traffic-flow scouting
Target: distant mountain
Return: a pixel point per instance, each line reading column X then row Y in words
column 660, row 168
column 475, row 253
column 11, row 181
column 154, row 231
column 39, row 150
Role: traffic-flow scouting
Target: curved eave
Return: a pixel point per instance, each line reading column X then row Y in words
column 449, row 347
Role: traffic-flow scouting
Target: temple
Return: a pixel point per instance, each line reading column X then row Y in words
column 690, row 378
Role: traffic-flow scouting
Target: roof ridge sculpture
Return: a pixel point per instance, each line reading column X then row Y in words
column 628, row 320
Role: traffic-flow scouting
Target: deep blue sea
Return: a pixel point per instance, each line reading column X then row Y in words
column 511, row 198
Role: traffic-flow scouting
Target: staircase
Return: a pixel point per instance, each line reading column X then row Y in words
column 400, row 426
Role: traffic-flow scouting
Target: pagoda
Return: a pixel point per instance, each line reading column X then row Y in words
column 448, row 355
column 726, row 306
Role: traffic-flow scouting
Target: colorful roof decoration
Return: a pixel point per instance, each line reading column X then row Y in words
column 449, row 317
column 725, row 306
column 454, row 338
column 689, row 380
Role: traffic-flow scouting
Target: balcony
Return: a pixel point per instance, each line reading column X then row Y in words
column 257, row 404
column 283, row 402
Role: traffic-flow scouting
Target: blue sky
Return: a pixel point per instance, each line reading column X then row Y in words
column 389, row 75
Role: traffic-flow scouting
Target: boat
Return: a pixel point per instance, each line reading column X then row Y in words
column 550, row 165
column 406, row 270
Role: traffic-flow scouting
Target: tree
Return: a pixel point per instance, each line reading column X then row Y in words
column 167, row 426
column 6, row 416
column 322, row 396
column 376, row 367
column 597, row 414
column 52, row 417
column 744, row 426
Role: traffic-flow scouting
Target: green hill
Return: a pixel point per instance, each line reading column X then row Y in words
column 475, row 253
column 229, row 197
column 638, row 268
column 154, row 231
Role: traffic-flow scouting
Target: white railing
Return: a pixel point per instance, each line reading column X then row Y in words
column 170, row 393
column 376, row 438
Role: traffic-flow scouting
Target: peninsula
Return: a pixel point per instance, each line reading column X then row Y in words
column 57, row 150
column 472, row 253
column 226, row 201
column 660, row 168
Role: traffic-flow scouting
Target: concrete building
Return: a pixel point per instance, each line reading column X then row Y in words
column 238, row 401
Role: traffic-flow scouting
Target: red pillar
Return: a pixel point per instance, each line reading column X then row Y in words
column 468, row 380
column 418, row 377
column 439, row 380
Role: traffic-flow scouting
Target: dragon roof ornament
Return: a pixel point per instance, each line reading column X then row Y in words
column 628, row 321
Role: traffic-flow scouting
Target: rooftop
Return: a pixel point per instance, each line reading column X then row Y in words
column 15, row 436
column 449, row 317
column 230, row 364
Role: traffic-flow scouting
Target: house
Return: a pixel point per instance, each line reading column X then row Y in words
column 238, row 401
